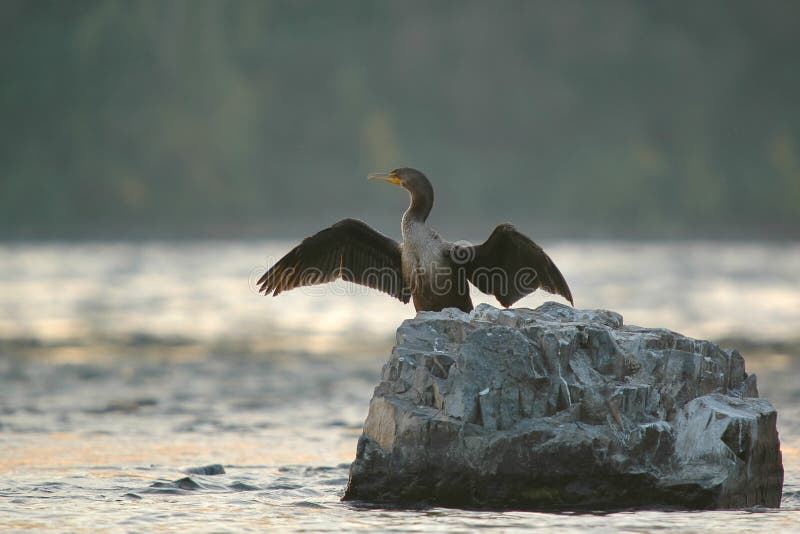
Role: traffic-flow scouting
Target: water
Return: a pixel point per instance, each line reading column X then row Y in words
column 123, row 366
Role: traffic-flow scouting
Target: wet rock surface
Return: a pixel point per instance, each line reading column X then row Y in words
column 564, row 408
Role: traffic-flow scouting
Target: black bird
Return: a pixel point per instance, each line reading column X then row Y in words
column 432, row 271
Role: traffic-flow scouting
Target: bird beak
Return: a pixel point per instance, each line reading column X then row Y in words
column 385, row 176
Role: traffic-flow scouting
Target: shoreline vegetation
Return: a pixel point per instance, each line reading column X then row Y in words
column 220, row 119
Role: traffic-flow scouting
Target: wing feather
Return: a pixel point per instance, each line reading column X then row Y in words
column 509, row 265
column 350, row 250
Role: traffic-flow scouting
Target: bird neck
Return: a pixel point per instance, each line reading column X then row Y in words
column 420, row 207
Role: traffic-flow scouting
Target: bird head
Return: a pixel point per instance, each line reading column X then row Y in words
column 418, row 187
column 410, row 179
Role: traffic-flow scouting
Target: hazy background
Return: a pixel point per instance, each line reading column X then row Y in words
column 156, row 157
column 655, row 119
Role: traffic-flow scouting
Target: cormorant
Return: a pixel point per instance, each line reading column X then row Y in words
column 432, row 271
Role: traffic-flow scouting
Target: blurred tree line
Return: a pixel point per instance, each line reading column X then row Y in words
column 262, row 118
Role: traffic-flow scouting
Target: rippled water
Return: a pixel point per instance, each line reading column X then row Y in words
column 124, row 366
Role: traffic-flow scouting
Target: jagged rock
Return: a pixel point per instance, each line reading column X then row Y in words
column 563, row 408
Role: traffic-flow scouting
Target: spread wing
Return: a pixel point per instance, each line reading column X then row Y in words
column 349, row 250
column 509, row 266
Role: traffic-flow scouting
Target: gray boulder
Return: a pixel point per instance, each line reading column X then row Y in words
column 563, row 408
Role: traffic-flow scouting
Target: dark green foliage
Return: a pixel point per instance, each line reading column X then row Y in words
column 581, row 118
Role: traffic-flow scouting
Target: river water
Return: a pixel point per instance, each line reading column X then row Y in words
column 124, row 366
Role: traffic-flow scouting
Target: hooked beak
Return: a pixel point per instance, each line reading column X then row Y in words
column 385, row 176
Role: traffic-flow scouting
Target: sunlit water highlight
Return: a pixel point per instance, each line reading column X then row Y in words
column 122, row 365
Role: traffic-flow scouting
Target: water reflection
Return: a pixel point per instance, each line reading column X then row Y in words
column 123, row 364
column 202, row 292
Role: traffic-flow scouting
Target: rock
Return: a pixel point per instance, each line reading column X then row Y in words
column 563, row 408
